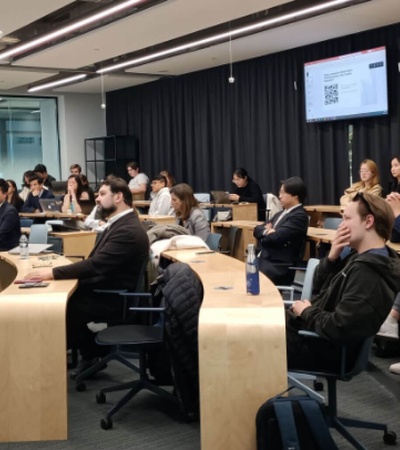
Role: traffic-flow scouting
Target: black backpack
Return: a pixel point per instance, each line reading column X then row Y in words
column 293, row 423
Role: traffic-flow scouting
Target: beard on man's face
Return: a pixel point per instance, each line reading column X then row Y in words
column 106, row 212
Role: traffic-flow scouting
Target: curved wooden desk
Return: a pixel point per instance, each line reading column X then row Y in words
column 33, row 385
column 242, row 349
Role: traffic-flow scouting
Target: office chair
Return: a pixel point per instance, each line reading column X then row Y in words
column 213, row 241
column 204, row 197
column 231, row 241
column 158, row 334
column 346, row 373
column 38, row 234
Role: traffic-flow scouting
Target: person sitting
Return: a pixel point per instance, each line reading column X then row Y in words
column 369, row 182
column 390, row 329
column 139, row 182
column 12, row 196
column 87, row 193
column 353, row 295
column 96, row 220
column 170, row 178
column 282, row 238
column 41, row 170
column 25, row 184
column 74, row 195
column 247, row 190
column 161, row 198
column 10, row 230
column 393, row 200
column 115, row 262
column 187, row 210
column 75, row 169
column 37, row 192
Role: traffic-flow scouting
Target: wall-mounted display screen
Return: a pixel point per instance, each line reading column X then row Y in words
column 347, row 86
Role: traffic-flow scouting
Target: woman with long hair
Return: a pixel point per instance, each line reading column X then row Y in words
column 12, row 195
column 73, row 195
column 369, row 182
column 187, row 210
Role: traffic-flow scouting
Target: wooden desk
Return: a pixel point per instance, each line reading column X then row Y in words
column 318, row 213
column 33, row 401
column 327, row 236
column 79, row 243
column 141, row 203
column 245, row 235
column 157, row 219
column 240, row 211
column 242, row 350
column 52, row 215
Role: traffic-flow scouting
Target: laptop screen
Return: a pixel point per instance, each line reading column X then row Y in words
column 49, row 205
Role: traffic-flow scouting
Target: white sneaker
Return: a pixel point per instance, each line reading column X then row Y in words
column 395, row 368
column 389, row 328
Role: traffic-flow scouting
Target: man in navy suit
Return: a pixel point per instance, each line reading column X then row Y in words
column 38, row 191
column 10, row 230
column 114, row 263
column 282, row 238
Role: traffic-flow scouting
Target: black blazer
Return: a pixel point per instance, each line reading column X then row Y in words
column 10, row 230
column 281, row 249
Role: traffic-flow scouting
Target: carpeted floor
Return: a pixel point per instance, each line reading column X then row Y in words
column 149, row 422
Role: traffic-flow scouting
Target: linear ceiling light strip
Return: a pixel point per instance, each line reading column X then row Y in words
column 228, row 34
column 68, row 29
column 58, row 82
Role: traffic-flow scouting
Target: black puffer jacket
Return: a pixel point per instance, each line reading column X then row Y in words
column 183, row 294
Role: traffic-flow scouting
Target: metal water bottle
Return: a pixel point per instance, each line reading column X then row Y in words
column 252, row 274
column 23, row 247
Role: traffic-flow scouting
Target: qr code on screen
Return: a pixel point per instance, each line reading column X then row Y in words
column 331, row 94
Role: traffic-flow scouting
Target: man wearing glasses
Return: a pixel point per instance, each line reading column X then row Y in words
column 354, row 294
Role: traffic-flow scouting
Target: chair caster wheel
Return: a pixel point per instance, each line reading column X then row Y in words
column 390, row 438
column 100, row 398
column 318, row 385
column 106, row 424
column 80, row 387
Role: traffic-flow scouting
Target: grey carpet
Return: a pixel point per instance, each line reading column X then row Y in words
column 149, row 422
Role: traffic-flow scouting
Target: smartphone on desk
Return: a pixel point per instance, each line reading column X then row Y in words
column 33, row 285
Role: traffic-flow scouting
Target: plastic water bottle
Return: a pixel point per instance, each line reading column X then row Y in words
column 23, row 247
column 252, row 274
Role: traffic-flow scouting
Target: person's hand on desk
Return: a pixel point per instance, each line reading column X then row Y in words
column 340, row 241
column 234, row 197
column 299, row 306
column 42, row 274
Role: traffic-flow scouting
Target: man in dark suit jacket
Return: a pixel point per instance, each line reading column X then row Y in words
column 10, row 230
column 38, row 191
column 282, row 238
column 114, row 263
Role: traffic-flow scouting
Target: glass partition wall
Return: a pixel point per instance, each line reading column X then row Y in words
column 28, row 136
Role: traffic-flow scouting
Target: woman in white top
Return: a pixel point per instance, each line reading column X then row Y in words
column 161, row 198
column 138, row 183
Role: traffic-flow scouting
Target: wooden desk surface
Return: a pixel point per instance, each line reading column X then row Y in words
column 327, row 236
column 141, row 203
column 157, row 219
column 242, row 350
column 324, row 208
column 33, row 404
column 52, row 215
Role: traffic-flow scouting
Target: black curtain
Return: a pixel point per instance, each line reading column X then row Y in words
column 201, row 127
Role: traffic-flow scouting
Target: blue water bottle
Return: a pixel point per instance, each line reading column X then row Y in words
column 252, row 274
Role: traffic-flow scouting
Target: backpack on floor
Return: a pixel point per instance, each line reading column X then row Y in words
column 293, row 423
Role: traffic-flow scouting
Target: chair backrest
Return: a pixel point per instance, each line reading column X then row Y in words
column 361, row 362
column 273, row 205
column 306, row 292
column 38, row 234
column 26, row 223
column 232, row 236
column 332, row 223
column 213, row 241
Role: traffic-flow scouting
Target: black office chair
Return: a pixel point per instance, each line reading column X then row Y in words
column 231, row 241
column 171, row 330
column 346, row 373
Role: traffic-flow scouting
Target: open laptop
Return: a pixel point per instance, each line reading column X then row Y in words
column 49, row 205
column 33, row 249
column 220, row 197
